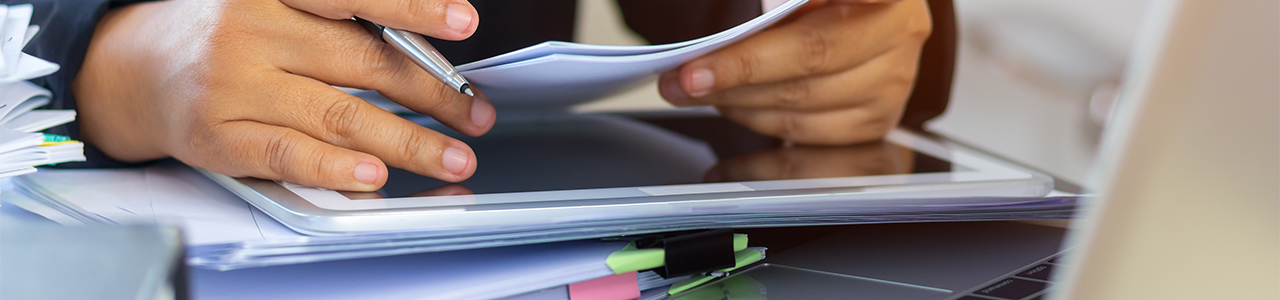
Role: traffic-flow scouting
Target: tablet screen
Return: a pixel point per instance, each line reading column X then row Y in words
column 574, row 152
column 553, row 168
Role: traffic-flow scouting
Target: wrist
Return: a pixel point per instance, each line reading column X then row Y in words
column 114, row 111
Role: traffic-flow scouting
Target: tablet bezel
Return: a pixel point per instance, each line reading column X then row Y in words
column 318, row 211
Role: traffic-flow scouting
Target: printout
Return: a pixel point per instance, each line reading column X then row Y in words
column 166, row 193
column 14, row 35
column 560, row 74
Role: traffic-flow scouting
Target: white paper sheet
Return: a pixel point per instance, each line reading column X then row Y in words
column 468, row 274
column 224, row 232
column 4, row 15
column 35, row 156
column 14, row 34
column 11, row 140
column 29, row 67
column 31, row 34
column 17, row 98
column 38, row 120
column 559, row 74
column 166, row 193
column 16, row 172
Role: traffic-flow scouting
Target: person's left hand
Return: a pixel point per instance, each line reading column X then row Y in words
column 840, row 72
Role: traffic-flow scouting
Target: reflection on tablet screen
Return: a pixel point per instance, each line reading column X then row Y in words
column 608, row 151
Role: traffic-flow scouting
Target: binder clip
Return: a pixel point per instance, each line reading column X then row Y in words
column 692, row 253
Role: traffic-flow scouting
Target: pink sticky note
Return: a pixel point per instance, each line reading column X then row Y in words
column 617, row 287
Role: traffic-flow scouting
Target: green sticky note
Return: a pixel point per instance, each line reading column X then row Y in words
column 631, row 259
column 739, row 241
column 745, row 257
column 53, row 138
column 741, row 258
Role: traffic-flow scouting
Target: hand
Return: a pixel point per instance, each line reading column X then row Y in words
column 839, row 72
column 244, row 88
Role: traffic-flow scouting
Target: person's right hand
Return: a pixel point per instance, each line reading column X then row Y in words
column 243, row 88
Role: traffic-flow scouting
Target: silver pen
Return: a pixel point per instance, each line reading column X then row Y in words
column 421, row 53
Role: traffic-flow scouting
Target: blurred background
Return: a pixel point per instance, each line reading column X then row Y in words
column 1034, row 83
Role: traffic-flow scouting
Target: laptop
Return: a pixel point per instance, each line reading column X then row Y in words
column 1188, row 207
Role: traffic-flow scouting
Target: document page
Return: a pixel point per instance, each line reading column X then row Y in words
column 560, row 74
column 167, row 193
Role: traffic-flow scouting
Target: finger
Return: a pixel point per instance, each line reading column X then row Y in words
column 276, row 153
column 349, row 57
column 444, row 19
column 833, row 127
column 893, row 73
column 825, row 41
column 329, row 115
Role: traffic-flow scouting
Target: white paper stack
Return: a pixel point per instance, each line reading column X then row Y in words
column 22, row 147
column 560, row 74
column 224, row 232
column 555, row 75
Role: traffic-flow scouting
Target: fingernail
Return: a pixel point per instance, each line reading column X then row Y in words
column 482, row 112
column 458, row 18
column 700, row 82
column 367, row 173
column 669, row 87
column 455, row 160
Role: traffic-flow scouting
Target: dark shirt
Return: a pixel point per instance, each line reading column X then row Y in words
column 67, row 26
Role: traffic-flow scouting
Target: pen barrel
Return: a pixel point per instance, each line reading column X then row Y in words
column 425, row 56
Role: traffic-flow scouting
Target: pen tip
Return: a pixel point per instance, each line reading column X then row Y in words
column 467, row 90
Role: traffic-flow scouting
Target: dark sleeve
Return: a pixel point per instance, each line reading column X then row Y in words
column 507, row 25
column 670, row 21
column 66, row 27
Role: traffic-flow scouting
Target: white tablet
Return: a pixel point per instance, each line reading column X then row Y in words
column 556, row 169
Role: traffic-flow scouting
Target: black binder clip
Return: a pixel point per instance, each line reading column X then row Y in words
column 692, row 253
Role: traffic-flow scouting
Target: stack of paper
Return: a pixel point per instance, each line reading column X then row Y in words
column 564, row 270
column 547, row 270
column 21, row 146
column 560, row 74
column 224, row 232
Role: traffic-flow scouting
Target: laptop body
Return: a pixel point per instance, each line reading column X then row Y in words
column 1190, row 207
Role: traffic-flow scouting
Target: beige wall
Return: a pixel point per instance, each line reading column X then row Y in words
column 1027, row 73
column 600, row 23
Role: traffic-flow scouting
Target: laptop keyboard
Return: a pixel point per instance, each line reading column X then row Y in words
column 1031, row 283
